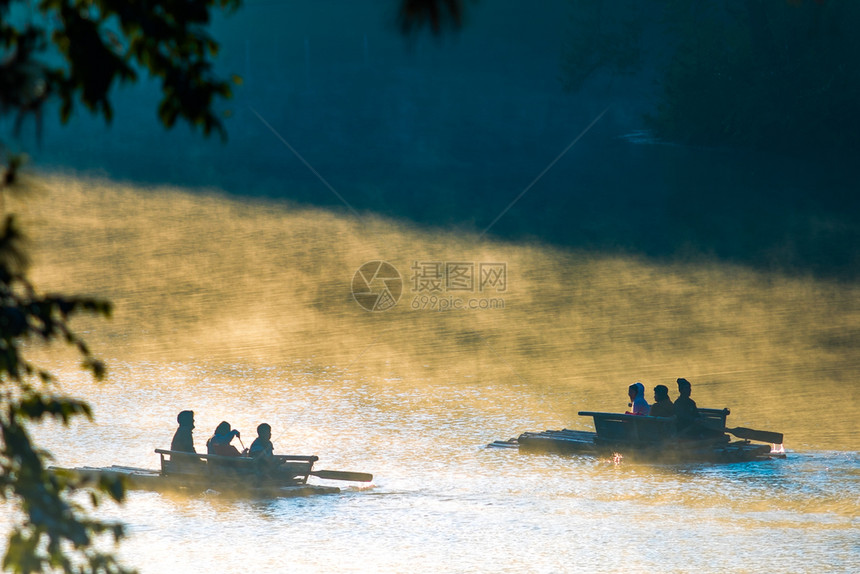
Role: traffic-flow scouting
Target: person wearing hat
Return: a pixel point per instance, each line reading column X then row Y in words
column 183, row 439
column 686, row 411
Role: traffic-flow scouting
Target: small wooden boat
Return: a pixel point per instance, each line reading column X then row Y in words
column 282, row 476
column 654, row 439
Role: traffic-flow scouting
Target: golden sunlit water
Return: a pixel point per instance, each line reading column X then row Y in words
column 243, row 311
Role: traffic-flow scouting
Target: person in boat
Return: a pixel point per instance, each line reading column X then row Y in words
column 183, row 439
column 689, row 423
column 686, row 411
column 262, row 446
column 636, row 392
column 219, row 443
column 662, row 406
column 263, row 451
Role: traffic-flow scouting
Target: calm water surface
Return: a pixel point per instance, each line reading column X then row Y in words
column 440, row 501
column 257, row 324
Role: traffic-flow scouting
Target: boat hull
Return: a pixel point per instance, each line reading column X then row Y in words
column 567, row 441
column 243, row 485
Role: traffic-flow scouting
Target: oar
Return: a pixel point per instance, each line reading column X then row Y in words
column 760, row 435
column 245, row 451
column 329, row 474
column 343, row 475
column 741, row 432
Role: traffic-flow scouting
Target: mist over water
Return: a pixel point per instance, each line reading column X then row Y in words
column 243, row 311
column 232, row 267
column 203, row 278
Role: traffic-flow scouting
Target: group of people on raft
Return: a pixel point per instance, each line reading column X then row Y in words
column 219, row 442
column 683, row 409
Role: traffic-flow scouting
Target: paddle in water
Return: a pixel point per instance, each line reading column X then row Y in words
column 760, row 435
column 328, row 474
column 343, row 475
column 745, row 433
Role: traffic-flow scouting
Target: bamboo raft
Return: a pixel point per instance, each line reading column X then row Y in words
column 654, row 439
column 282, row 476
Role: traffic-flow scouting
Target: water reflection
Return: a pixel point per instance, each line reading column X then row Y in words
column 440, row 499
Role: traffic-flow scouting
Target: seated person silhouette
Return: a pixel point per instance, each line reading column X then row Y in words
column 219, row 443
column 663, row 406
column 636, row 392
column 183, row 441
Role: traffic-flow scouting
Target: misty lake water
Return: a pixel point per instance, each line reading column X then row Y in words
column 243, row 311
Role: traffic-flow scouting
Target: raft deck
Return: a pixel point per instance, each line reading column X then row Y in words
column 280, row 476
column 646, row 438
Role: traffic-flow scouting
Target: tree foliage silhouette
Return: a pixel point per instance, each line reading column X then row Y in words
column 75, row 52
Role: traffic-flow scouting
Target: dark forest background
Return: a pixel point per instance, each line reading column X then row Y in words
column 730, row 131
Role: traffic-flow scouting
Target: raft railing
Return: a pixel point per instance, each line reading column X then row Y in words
column 297, row 467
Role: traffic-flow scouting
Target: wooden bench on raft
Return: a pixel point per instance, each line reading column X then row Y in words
column 645, row 429
column 173, row 463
